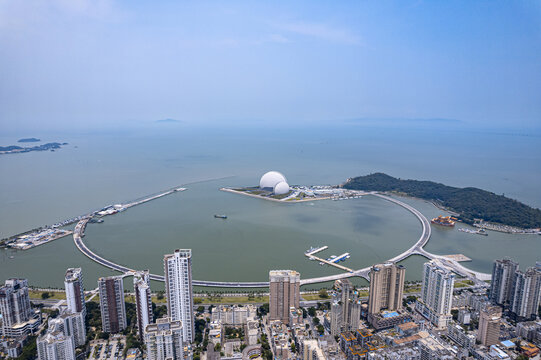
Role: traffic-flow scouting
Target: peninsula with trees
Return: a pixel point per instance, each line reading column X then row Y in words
column 471, row 204
column 15, row 149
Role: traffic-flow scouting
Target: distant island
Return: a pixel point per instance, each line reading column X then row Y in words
column 14, row 149
column 470, row 203
column 25, row 140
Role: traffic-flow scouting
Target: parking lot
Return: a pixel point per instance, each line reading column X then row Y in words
column 111, row 349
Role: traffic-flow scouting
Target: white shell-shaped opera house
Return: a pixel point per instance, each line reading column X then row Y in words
column 281, row 188
column 275, row 182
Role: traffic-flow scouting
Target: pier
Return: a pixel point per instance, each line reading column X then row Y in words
column 315, row 251
column 331, row 263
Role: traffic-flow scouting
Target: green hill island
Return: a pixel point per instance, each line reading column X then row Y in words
column 471, row 204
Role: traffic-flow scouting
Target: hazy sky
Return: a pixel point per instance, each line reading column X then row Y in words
column 82, row 63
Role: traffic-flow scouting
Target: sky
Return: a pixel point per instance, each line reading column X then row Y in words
column 84, row 63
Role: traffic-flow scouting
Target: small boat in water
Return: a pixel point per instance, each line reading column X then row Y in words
column 220, row 216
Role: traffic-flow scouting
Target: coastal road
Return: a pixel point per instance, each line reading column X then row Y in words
column 416, row 249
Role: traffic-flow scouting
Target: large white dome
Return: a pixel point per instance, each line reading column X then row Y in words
column 281, row 188
column 270, row 179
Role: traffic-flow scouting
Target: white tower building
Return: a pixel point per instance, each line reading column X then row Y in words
column 143, row 301
column 436, row 294
column 178, row 287
column 75, row 293
column 526, row 293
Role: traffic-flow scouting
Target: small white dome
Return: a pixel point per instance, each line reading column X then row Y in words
column 281, row 188
column 268, row 180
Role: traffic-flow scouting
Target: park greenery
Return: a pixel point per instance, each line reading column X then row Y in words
column 471, row 203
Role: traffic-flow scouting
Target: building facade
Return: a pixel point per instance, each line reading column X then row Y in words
column 55, row 344
column 386, row 287
column 436, row 294
column 526, row 294
column 284, row 293
column 386, row 291
column 164, row 340
column 71, row 324
column 503, row 277
column 18, row 318
column 75, row 293
column 112, row 305
column 489, row 326
column 178, row 287
column 345, row 308
column 143, row 301
column 312, row 351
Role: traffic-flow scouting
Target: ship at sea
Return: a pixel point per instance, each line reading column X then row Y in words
column 220, row 216
column 443, row 221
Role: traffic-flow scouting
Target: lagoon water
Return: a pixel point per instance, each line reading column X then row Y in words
column 98, row 169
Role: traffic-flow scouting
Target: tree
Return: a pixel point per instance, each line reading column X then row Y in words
column 217, row 347
column 30, row 350
column 315, row 320
column 197, row 300
column 323, row 294
column 311, row 311
column 320, row 329
column 45, row 295
column 200, row 309
column 263, row 310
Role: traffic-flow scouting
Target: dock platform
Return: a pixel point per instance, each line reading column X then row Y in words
column 458, row 257
column 311, row 256
column 315, row 251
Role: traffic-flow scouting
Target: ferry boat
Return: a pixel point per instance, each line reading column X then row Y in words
column 220, row 216
column 443, row 221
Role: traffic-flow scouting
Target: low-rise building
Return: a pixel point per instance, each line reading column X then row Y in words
column 460, row 337
column 252, row 332
column 388, row 319
column 312, row 351
column 464, row 316
column 431, row 349
column 233, row 315
column 529, row 330
column 215, row 332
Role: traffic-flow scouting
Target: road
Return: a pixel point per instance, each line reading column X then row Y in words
column 416, row 249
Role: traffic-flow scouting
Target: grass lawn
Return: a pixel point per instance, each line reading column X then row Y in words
column 463, row 283
column 53, row 295
column 231, row 300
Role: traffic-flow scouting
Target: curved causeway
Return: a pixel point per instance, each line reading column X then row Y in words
column 416, row 249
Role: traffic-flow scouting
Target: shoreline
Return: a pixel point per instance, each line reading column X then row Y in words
column 485, row 224
column 233, row 191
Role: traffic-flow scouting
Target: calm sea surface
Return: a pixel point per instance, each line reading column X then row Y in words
column 98, row 169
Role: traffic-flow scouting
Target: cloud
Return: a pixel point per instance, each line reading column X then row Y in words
column 15, row 14
column 321, row 31
column 277, row 38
